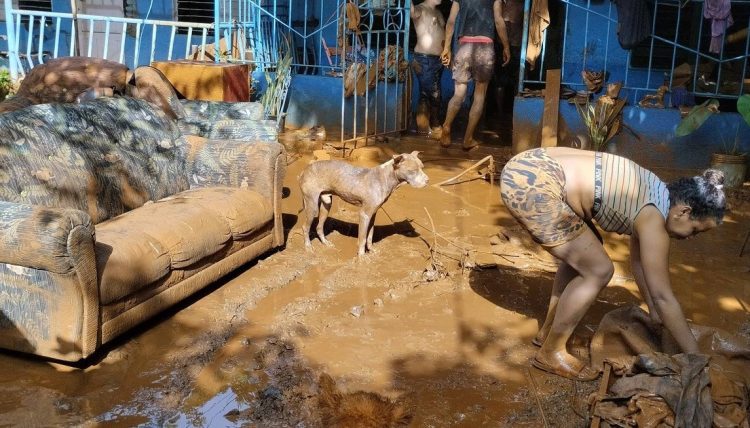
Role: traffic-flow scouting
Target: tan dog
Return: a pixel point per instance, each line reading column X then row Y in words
column 365, row 187
column 359, row 409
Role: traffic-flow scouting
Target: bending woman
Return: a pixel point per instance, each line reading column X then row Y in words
column 555, row 193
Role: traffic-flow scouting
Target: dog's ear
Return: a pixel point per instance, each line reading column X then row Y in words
column 416, row 153
column 397, row 159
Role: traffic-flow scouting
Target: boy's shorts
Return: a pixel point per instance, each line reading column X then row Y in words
column 532, row 186
column 474, row 61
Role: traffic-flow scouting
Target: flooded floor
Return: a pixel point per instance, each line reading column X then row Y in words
column 248, row 351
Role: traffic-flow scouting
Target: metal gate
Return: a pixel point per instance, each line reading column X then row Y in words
column 373, row 44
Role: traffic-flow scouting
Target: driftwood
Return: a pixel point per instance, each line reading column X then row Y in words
column 476, row 165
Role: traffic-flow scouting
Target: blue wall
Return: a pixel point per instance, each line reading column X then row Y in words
column 657, row 147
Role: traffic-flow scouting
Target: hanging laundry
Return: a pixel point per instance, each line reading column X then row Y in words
column 720, row 14
column 633, row 22
column 539, row 21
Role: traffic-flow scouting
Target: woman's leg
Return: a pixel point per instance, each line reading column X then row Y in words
column 586, row 255
column 564, row 275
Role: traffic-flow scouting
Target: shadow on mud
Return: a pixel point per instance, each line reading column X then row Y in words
column 528, row 292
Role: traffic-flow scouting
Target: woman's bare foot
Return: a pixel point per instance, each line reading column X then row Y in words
column 563, row 364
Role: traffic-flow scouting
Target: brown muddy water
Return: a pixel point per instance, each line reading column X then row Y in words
column 248, row 351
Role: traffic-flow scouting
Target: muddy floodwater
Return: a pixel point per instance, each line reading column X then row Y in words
column 449, row 330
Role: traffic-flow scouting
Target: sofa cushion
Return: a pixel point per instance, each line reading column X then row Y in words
column 127, row 260
column 244, row 211
column 142, row 246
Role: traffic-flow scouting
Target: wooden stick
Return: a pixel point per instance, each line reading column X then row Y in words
column 742, row 250
column 466, row 170
column 434, row 233
column 595, row 423
column 536, row 395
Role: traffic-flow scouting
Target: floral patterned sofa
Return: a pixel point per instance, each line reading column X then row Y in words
column 109, row 214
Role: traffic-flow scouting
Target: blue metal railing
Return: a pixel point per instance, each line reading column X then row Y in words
column 28, row 45
column 576, row 52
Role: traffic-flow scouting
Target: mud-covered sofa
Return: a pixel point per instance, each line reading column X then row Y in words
column 109, row 214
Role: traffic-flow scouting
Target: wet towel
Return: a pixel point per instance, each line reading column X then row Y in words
column 633, row 22
column 720, row 14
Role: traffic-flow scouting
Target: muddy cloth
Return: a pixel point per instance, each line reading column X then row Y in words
column 633, row 22
column 720, row 14
column 538, row 22
column 699, row 389
column 475, row 18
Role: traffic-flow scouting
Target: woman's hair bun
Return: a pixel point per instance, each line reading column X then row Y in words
column 714, row 177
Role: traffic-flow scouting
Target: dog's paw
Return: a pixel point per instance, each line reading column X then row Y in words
column 326, row 242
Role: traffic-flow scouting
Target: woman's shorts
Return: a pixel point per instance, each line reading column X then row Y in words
column 532, row 186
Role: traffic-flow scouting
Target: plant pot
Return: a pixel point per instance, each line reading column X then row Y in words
column 734, row 168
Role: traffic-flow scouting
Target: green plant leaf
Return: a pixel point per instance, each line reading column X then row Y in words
column 697, row 116
column 743, row 107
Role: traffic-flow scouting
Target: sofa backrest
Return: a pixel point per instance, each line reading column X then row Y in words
column 104, row 157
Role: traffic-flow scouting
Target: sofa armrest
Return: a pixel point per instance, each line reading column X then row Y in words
column 40, row 237
column 47, row 256
column 258, row 166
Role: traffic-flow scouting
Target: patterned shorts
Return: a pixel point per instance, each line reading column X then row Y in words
column 474, row 61
column 532, row 186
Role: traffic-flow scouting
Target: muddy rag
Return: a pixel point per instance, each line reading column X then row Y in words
column 720, row 14
column 710, row 388
column 539, row 21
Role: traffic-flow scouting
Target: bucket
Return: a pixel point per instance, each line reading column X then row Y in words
column 734, row 168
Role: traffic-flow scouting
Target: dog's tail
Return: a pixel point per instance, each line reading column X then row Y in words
column 326, row 198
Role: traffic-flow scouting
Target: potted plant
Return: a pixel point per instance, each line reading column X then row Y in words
column 729, row 159
column 732, row 163
column 603, row 118
column 6, row 84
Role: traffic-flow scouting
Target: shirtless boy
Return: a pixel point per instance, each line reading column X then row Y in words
column 478, row 21
column 430, row 27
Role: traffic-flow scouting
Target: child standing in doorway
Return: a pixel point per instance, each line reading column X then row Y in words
column 429, row 24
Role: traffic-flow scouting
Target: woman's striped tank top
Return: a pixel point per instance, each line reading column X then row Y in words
column 621, row 189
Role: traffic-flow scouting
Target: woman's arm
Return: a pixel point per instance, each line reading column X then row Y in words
column 654, row 258
column 445, row 57
column 637, row 269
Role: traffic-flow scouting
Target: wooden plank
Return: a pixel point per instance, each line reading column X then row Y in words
column 551, row 108
column 603, row 386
